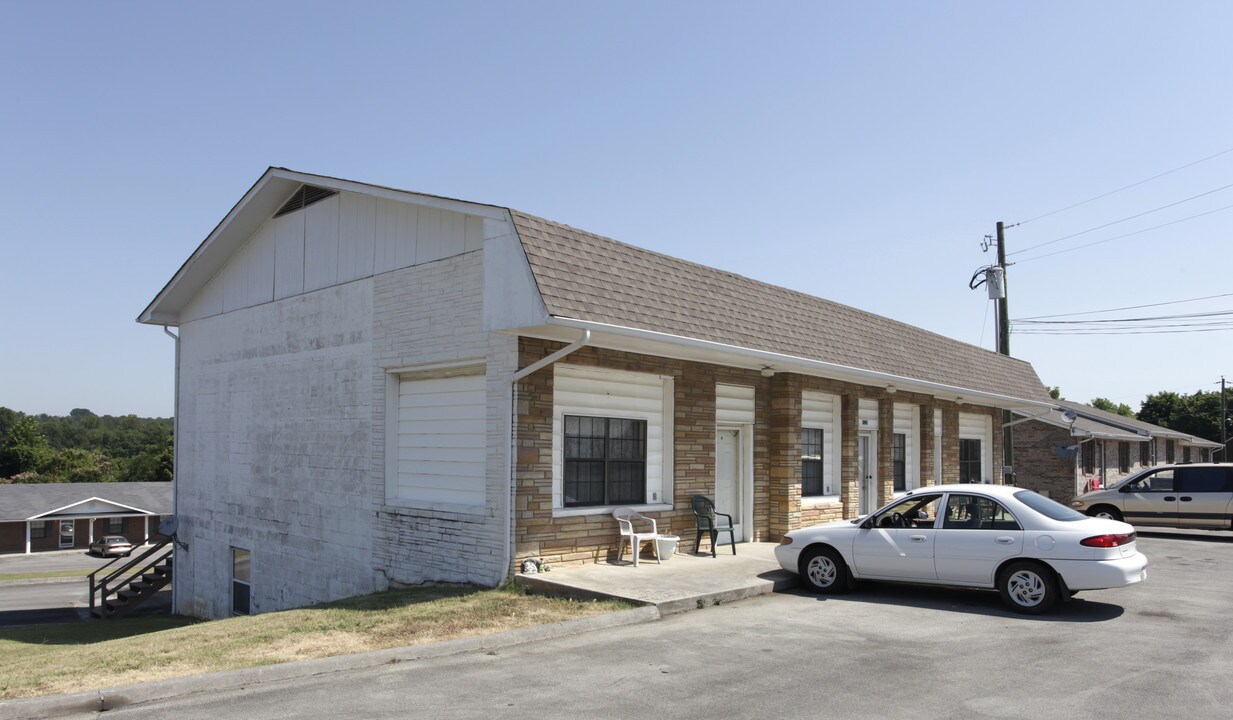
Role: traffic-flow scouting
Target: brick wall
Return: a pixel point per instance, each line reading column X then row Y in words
column 1038, row 467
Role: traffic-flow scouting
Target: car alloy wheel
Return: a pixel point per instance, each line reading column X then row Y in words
column 824, row 570
column 1028, row 588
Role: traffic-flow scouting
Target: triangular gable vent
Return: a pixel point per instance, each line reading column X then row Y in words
column 305, row 196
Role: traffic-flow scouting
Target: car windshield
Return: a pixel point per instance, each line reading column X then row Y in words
column 1049, row 508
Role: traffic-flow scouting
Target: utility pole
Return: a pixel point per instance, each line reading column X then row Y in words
column 1224, row 424
column 1008, row 431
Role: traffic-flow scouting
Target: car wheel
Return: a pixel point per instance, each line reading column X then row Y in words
column 1028, row 587
column 824, row 571
column 1106, row 512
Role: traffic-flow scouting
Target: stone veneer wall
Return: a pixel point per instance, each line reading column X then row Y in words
column 778, row 505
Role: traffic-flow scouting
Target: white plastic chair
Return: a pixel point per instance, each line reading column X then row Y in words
column 625, row 517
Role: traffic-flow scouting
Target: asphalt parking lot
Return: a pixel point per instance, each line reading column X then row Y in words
column 1160, row 649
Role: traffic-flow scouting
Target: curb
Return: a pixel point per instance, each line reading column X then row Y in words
column 112, row 698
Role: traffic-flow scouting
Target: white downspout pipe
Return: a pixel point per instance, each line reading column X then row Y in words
column 513, row 435
column 175, row 470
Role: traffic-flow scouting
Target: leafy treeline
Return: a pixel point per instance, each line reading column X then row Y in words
column 84, row 447
column 1197, row 414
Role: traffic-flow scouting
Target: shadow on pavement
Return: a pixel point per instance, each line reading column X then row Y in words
column 968, row 602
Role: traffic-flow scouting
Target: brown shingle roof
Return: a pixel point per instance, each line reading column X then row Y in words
column 589, row 277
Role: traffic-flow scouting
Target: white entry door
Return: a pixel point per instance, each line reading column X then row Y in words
column 729, row 490
column 867, row 473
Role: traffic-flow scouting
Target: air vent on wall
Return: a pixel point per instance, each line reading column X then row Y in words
column 305, row 196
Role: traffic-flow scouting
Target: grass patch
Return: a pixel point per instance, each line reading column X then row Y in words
column 55, row 659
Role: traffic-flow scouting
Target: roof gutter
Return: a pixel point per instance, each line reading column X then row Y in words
column 806, row 366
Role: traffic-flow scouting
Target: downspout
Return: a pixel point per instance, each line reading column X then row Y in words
column 513, row 420
column 175, row 468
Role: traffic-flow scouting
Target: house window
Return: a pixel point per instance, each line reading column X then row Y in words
column 241, row 577
column 38, row 529
column 1123, row 457
column 969, row 460
column 1089, row 457
column 1186, row 454
column 115, row 526
column 813, row 471
column 899, row 461
column 605, row 461
column 1168, row 451
column 1145, row 453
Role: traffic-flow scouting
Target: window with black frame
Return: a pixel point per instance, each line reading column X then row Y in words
column 1089, row 457
column 1145, row 453
column 605, row 461
column 38, row 529
column 813, row 474
column 1123, row 457
column 899, row 461
column 1169, row 452
column 969, row 460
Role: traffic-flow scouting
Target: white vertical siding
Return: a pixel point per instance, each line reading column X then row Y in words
column 734, row 404
column 345, row 237
column 611, row 393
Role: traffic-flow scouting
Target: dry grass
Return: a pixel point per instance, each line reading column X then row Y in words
column 55, row 659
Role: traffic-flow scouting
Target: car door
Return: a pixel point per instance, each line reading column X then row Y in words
column 1203, row 496
column 897, row 542
column 977, row 533
column 1151, row 499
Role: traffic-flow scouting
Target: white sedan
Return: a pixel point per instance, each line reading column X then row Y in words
column 1032, row 549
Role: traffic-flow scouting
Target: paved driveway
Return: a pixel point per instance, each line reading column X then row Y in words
column 1158, row 650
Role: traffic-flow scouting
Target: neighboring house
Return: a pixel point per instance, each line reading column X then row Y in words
column 1076, row 448
column 379, row 386
column 63, row 516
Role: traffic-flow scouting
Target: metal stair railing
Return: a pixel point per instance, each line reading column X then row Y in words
column 120, row 578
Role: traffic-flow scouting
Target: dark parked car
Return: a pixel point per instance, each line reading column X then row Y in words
column 110, row 545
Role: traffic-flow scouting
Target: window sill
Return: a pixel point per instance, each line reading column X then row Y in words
column 817, row 500
column 607, row 510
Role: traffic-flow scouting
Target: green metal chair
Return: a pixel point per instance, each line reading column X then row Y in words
column 705, row 515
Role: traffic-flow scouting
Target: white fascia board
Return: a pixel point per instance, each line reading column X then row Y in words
column 805, row 366
column 120, row 506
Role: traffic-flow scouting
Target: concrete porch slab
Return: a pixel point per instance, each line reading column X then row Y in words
column 683, row 582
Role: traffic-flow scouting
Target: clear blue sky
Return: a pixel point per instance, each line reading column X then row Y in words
column 855, row 151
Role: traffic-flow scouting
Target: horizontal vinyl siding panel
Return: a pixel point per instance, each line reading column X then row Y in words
column 734, row 404
column 442, row 440
column 817, row 409
column 615, row 394
column 973, row 426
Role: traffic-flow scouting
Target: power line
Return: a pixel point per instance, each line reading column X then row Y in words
column 1188, row 316
column 1132, row 217
column 1119, row 237
column 1128, row 307
column 1114, row 192
column 1118, row 332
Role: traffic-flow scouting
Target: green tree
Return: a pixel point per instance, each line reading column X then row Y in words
column 1055, row 392
column 1109, row 406
column 25, row 448
column 1197, row 414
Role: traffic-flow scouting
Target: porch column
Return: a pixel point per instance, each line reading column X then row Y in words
column 849, row 478
column 27, row 537
column 886, row 449
column 950, row 443
column 785, row 451
column 90, row 533
column 147, row 535
column 927, row 456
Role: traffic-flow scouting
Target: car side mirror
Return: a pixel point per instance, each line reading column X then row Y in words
column 1124, row 489
column 868, row 523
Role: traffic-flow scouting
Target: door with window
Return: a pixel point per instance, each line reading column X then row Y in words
column 1151, row 499
column 1204, row 495
column 977, row 534
column 729, row 480
column 898, row 542
column 867, row 472
column 67, row 537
